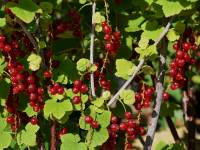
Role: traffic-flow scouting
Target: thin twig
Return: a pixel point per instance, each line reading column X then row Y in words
column 28, row 34
column 92, row 49
column 159, row 92
column 53, row 135
column 173, row 129
column 114, row 98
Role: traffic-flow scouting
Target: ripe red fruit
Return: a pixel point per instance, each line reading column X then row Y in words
column 130, row 131
column 84, row 88
column 123, row 126
column 61, row 90
column 88, row 119
column 40, row 91
column 128, row 115
column 186, row 46
column 36, row 108
column 114, row 119
column 75, row 90
column 94, row 124
column 109, row 47
column 7, row 48
column 19, row 77
column 166, row 96
column 103, row 24
column 176, row 46
column 107, row 29
column 32, row 88
column 10, row 120
column 31, row 79
column 107, row 37
column 47, row 74
column 2, row 38
column 114, row 127
column 64, row 130
column 131, row 124
column 76, row 100
column 34, row 121
column 33, row 97
column 77, row 83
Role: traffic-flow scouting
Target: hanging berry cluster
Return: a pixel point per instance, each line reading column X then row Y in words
column 143, row 97
column 112, row 39
column 185, row 51
column 73, row 24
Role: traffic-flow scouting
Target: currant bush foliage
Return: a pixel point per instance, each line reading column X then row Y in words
column 45, row 69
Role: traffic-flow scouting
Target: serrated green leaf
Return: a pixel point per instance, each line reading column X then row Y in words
column 128, row 96
column 123, row 67
column 106, row 95
column 180, row 27
column 46, row 7
column 148, row 52
column 2, row 64
column 26, row 138
column 32, row 128
column 29, row 111
column 98, row 18
column 99, row 137
column 2, row 22
column 83, row 125
column 98, row 28
column 3, row 124
column 25, row 10
column 83, row 64
column 98, row 102
column 143, row 43
column 168, row 6
column 56, row 109
column 5, row 139
column 172, row 35
column 34, row 61
column 62, row 78
column 196, row 79
column 72, row 141
column 134, row 24
column 82, row 1
column 104, row 119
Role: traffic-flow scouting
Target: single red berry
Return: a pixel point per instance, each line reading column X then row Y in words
column 75, row 90
column 114, row 127
column 186, row 46
column 32, row 88
column 40, row 91
column 76, row 100
column 2, row 38
column 34, row 121
column 47, row 74
column 88, row 119
column 77, row 83
column 166, row 96
column 114, row 119
column 64, row 130
column 123, row 126
column 94, row 124
column 128, row 115
column 7, row 48
column 31, row 79
column 84, row 88
column 10, row 120
column 61, row 90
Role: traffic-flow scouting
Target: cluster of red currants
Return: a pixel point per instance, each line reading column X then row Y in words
column 81, row 88
column 184, row 47
column 112, row 39
column 56, row 88
column 73, row 24
column 127, row 125
column 94, row 124
column 143, row 97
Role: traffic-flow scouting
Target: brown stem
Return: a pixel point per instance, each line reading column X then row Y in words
column 173, row 129
column 53, row 135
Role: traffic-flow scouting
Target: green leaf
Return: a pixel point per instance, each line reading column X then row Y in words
column 2, row 64
column 148, row 70
column 180, row 27
column 172, row 35
column 82, row 1
column 168, row 109
column 99, row 137
column 62, row 78
column 29, row 111
column 34, row 61
column 148, row 52
column 5, row 139
column 83, row 64
column 196, row 79
column 2, row 22
column 124, row 68
column 104, row 119
column 46, row 7
column 3, row 124
column 72, row 141
column 143, row 43
column 5, row 90
column 98, row 18
column 128, row 96
column 25, row 10
column 83, row 125
column 134, row 24
column 66, row 70
column 56, row 109
column 168, row 6
column 28, row 136
column 161, row 145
